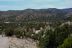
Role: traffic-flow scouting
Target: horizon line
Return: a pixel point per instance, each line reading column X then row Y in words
column 33, row 8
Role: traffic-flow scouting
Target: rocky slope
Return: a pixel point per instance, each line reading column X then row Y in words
column 12, row 42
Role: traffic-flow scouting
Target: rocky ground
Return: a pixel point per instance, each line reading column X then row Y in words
column 12, row 42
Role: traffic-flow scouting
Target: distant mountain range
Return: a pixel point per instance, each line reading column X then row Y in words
column 51, row 14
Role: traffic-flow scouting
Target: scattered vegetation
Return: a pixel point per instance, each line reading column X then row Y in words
column 53, row 30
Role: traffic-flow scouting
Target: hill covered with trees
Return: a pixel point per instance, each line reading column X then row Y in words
column 42, row 15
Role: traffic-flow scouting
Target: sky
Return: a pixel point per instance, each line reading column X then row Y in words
column 34, row 4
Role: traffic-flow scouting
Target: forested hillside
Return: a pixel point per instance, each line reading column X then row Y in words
column 43, row 15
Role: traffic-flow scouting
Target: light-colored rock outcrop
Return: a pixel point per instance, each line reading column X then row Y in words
column 12, row 42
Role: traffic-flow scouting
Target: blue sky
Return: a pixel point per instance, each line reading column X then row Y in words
column 34, row 4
